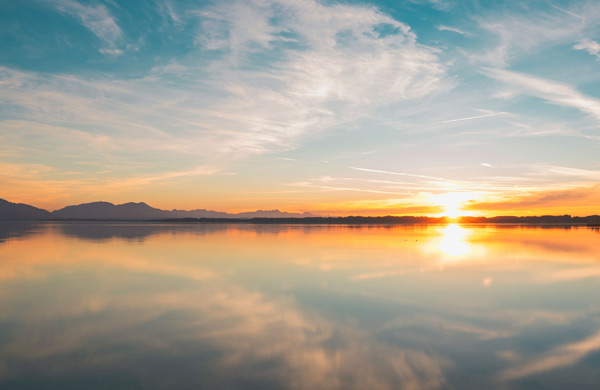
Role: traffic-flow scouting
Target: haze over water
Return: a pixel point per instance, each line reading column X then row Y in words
column 96, row 305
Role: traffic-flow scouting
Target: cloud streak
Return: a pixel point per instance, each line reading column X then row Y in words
column 554, row 92
column 521, row 32
column 563, row 356
column 98, row 20
column 452, row 29
column 473, row 117
column 539, row 200
column 397, row 173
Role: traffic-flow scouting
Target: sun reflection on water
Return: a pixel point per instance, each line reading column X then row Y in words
column 454, row 241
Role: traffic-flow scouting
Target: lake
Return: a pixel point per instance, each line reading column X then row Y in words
column 192, row 306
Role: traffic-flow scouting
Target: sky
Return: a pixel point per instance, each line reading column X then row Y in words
column 415, row 107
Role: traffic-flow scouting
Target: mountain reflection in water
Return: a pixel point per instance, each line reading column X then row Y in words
column 132, row 305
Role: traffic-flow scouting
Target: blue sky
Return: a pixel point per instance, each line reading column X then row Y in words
column 401, row 107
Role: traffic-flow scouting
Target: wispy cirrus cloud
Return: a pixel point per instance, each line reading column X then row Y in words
column 98, row 20
column 555, row 170
column 48, row 185
column 397, row 173
column 307, row 184
column 329, row 64
column 473, row 117
column 323, row 65
column 554, row 92
column 539, row 199
column 521, row 32
column 452, row 29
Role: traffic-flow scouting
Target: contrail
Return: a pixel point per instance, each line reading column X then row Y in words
column 472, row 117
column 398, row 173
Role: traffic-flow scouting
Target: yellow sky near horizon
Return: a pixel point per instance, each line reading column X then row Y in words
column 231, row 193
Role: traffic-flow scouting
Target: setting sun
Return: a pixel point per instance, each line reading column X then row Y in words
column 451, row 202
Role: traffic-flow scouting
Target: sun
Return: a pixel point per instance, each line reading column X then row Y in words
column 451, row 203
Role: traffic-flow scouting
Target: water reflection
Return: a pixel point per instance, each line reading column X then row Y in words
column 241, row 306
column 454, row 241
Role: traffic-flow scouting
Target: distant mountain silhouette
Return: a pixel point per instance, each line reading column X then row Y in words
column 21, row 212
column 141, row 211
column 125, row 212
column 106, row 210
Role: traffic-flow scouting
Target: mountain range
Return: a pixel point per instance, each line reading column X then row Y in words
column 125, row 212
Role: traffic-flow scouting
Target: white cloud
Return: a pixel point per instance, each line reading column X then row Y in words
column 173, row 15
column 452, row 29
column 473, row 117
column 287, row 69
column 397, row 173
column 590, row 46
column 567, row 171
column 331, row 64
column 552, row 91
column 523, row 32
column 98, row 20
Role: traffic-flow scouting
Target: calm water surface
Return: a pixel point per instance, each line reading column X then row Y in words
column 141, row 306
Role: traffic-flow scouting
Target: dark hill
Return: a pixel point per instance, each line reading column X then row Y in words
column 106, row 210
column 21, row 212
column 141, row 211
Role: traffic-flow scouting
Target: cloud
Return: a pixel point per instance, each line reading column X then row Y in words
column 396, row 173
column 171, row 11
column 323, row 64
column 370, row 207
column 264, row 75
column 523, row 31
column 452, row 29
column 46, row 184
column 246, row 331
column 335, row 188
column 568, row 172
column 590, row 46
column 98, row 20
column 473, row 117
column 551, row 91
column 563, row 356
column 540, row 199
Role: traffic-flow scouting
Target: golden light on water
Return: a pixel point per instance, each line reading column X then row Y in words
column 454, row 241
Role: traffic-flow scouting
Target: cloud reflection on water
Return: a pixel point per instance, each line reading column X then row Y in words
column 562, row 356
column 250, row 334
column 296, row 307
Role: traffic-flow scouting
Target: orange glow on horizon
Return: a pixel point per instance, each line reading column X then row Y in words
column 450, row 204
